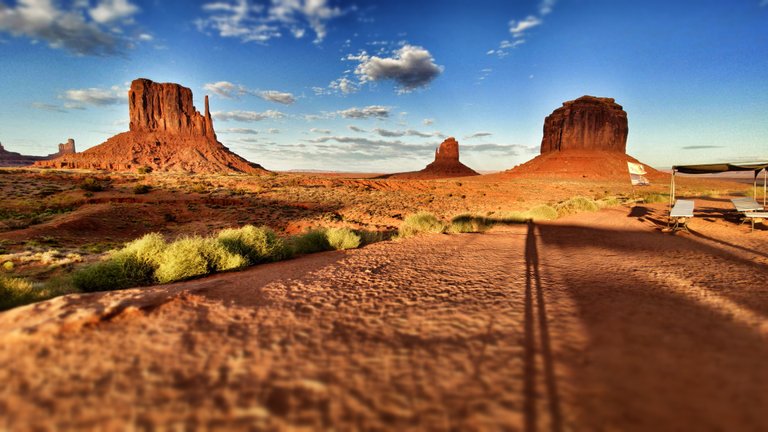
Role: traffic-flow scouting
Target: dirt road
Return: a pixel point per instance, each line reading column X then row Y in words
column 596, row 322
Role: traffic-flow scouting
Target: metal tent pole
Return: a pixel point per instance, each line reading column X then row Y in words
column 765, row 180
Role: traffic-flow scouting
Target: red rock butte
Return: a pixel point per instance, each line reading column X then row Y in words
column 445, row 165
column 166, row 133
column 584, row 138
column 13, row 159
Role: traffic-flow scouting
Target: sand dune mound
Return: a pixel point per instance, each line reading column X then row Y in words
column 166, row 133
column 445, row 165
column 588, row 164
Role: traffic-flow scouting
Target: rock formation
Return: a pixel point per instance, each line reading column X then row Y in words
column 64, row 149
column 166, row 133
column 13, row 159
column 584, row 138
column 587, row 123
column 446, row 164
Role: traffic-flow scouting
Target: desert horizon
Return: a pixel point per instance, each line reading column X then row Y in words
column 541, row 215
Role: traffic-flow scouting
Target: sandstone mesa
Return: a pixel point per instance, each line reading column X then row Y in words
column 445, row 165
column 166, row 133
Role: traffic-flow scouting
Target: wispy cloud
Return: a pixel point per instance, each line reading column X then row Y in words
column 108, row 11
column 80, row 29
column 96, row 96
column 428, row 121
column 519, row 27
column 250, row 22
column 226, row 89
column 372, row 111
column 356, row 129
column 284, row 98
column 478, row 135
column 701, row 147
column 242, row 131
column 230, row 90
column 247, row 116
column 320, row 131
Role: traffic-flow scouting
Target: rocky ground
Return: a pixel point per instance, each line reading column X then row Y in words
column 596, row 321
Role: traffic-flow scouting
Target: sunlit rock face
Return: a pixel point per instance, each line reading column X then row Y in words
column 166, row 133
column 587, row 123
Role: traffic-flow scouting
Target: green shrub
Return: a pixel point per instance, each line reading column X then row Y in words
column 654, row 197
column 144, row 169
column 370, row 237
column 469, row 224
column 195, row 256
column 310, row 242
column 542, row 212
column 15, row 292
column 118, row 271
column 342, row 238
column 92, row 184
column 142, row 189
column 255, row 244
column 576, row 205
column 419, row 223
column 8, row 266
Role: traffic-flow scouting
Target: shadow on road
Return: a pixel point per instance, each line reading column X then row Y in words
column 533, row 288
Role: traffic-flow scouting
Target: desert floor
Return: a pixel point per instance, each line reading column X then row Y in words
column 596, row 321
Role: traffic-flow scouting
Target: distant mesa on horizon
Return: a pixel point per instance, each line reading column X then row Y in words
column 166, row 133
column 445, row 165
column 584, row 138
column 13, row 159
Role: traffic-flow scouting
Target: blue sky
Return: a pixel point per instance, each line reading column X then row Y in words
column 375, row 86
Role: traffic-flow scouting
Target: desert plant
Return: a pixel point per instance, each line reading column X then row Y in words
column 654, row 197
column 8, row 266
column 118, row 271
column 420, row 223
column 15, row 292
column 142, row 189
column 144, row 169
column 92, row 184
column 195, row 256
column 342, row 238
column 310, row 242
column 256, row 244
column 467, row 223
column 542, row 212
column 576, row 205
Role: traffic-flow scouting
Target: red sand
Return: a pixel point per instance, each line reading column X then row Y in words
column 596, row 322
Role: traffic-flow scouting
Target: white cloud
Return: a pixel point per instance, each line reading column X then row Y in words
column 764, row 3
column 546, row 6
column 96, row 96
column 372, row 111
column 146, row 37
column 428, row 121
column 276, row 96
column 389, row 133
column 356, row 129
column 242, row 131
column 107, row 11
column 273, row 131
column 518, row 28
column 229, row 90
column 320, row 131
column 226, row 89
column 411, row 67
column 247, row 116
column 258, row 23
column 70, row 29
